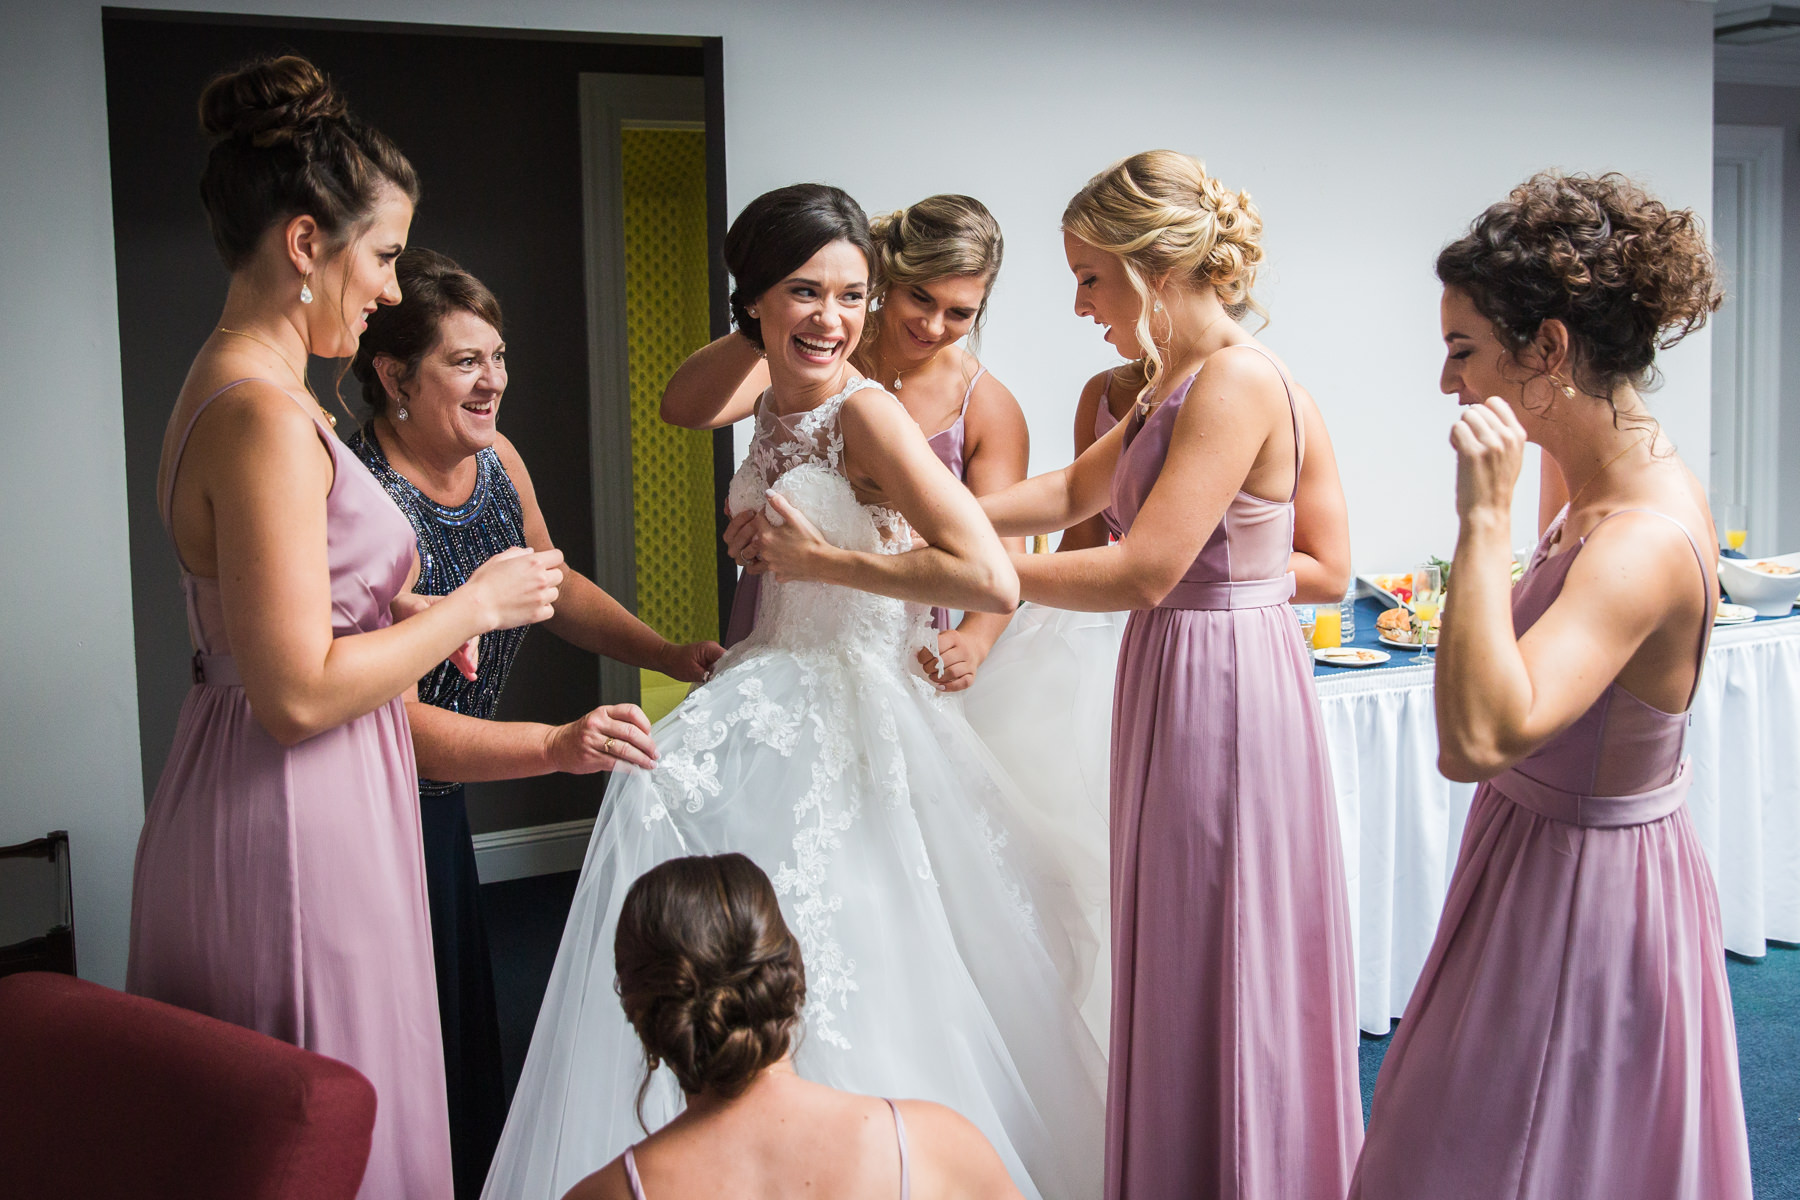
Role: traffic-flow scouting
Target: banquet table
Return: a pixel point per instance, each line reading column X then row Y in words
column 1401, row 821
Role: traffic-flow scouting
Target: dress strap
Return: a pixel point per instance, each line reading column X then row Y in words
column 1293, row 416
column 1709, row 597
column 970, row 391
column 631, row 1175
column 900, row 1136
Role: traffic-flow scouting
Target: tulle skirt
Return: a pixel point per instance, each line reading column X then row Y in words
column 933, row 922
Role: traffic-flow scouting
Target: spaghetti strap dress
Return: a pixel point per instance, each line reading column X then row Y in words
column 1571, row 1035
column 1233, row 1071
column 283, row 888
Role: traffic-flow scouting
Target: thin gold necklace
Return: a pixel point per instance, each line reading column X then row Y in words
column 1630, row 446
column 276, row 351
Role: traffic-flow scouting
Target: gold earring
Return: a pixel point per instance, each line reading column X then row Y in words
column 306, row 288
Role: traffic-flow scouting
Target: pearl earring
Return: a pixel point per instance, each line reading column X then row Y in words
column 752, row 313
column 306, row 288
column 1156, row 307
column 400, row 413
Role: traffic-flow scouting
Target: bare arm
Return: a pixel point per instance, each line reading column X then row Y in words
column 950, row 1156
column 885, row 453
column 717, row 385
column 1321, row 558
column 1499, row 697
column 1221, row 432
column 264, row 476
column 453, row 746
column 999, row 448
column 589, row 618
column 1085, row 535
column 1058, row 499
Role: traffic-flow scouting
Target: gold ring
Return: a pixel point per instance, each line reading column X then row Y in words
column 608, row 746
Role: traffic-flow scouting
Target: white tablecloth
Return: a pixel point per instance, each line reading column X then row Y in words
column 1402, row 821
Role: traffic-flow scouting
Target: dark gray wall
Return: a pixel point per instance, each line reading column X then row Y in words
column 492, row 126
column 1754, row 104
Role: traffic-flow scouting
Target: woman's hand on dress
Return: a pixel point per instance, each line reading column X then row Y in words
column 611, row 735
column 1490, row 450
column 467, row 659
column 785, row 544
column 692, row 662
column 953, row 667
column 738, row 532
column 517, row 587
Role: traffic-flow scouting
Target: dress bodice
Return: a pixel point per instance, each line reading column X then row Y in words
column 369, row 546
column 1621, row 746
column 1244, row 563
column 949, row 444
column 801, row 457
column 453, row 541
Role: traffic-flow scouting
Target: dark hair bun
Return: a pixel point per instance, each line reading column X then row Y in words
column 708, row 973
column 286, row 145
column 1627, row 275
column 269, row 101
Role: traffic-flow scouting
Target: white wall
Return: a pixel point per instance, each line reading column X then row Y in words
column 1369, row 133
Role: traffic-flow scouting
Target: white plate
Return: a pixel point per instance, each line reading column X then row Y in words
column 1385, row 640
column 1734, row 614
column 1342, row 656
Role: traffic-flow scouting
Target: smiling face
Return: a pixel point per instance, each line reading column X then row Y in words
column 919, row 319
column 453, row 398
column 812, row 319
column 348, row 286
column 1104, row 293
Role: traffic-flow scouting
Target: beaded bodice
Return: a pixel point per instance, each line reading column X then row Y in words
column 801, row 457
column 453, row 541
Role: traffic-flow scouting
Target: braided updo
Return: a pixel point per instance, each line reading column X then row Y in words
column 1165, row 217
column 285, row 144
column 708, row 973
column 1625, row 274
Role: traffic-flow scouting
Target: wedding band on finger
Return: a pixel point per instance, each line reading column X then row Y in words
column 607, row 746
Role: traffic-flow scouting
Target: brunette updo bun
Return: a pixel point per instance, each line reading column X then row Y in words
column 286, row 144
column 775, row 235
column 1624, row 273
column 708, row 973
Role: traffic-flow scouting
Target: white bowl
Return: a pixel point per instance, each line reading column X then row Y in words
column 1769, row 595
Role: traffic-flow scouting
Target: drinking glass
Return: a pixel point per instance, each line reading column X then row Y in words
column 1308, row 617
column 1427, row 595
column 1734, row 524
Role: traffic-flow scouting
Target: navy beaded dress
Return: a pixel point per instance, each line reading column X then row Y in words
column 453, row 541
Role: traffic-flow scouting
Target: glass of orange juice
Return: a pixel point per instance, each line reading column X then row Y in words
column 1328, row 627
column 1734, row 523
column 1427, row 595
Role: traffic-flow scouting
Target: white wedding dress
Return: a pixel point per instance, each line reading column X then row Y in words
column 933, row 920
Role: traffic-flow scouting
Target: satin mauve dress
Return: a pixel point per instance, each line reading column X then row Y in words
column 283, row 888
column 1233, row 1070
column 948, row 444
column 1571, row 1036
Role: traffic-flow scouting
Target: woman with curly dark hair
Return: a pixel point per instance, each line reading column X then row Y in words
column 711, row 979
column 1571, row 1034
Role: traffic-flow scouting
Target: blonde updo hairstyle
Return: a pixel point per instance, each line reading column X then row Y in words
column 1166, row 219
column 940, row 237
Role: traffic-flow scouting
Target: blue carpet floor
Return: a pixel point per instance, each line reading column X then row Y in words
column 525, row 919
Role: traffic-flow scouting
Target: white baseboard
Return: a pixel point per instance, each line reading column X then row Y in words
column 536, row 850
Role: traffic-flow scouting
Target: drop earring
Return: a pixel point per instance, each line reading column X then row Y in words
column 1156, row 307
column 306, row 288
column 400, row 414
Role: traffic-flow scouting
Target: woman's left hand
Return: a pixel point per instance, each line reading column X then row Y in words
column 1490, row 451
column 467, row 657
column 953, row 667
column 691, row 663
column 784, row 543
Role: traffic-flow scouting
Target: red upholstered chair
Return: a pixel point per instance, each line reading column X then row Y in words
column 104, row 1094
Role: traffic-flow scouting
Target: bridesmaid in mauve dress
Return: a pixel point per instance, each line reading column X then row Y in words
column 278, row 882
column 1233, row 1069
column 1571, row 1035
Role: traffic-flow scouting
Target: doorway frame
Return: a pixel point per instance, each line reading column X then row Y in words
column 1746, row 374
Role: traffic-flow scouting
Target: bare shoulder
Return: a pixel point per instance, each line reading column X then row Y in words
column 1244, row 368
column 251, row 420
column 608, row 1183
column 949, row 1156
column 1640, row 563
column 874, row 410
column 994, row 410
column 509, row 454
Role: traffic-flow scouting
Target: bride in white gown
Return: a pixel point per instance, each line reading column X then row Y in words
column 932, row 923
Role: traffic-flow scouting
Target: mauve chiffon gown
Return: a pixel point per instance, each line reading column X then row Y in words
column 1233, row 1070
column 283, row 888
column 1571, row 1037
